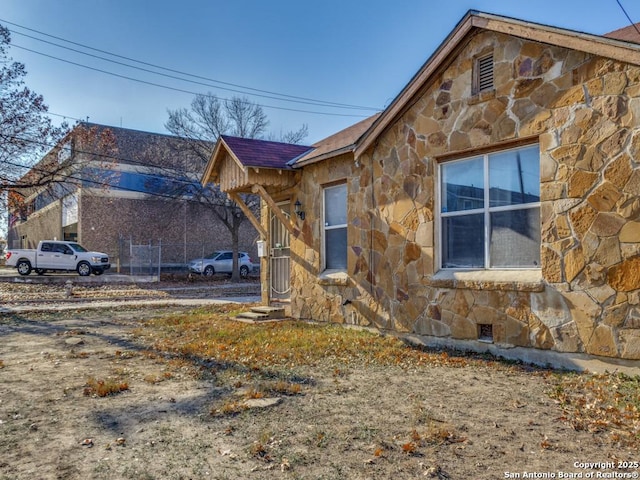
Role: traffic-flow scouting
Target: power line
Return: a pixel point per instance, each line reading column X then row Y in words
column 64, row 116
column 175, row 89
column 628, row 17
column 272, row 97
column 305, row 99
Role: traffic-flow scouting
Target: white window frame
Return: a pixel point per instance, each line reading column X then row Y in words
column 332, row 227
column 487, row 210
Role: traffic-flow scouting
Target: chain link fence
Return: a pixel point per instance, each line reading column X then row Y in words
column 145, row 259
column 136, row 258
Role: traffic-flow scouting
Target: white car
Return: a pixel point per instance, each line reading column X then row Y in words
column 221, row 262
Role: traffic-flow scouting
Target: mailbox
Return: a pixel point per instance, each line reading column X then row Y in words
column 262, row 250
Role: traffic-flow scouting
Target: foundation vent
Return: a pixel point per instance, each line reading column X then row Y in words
column 485, row 333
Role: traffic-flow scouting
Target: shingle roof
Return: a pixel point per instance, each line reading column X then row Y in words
column 262, row 153
column 336, row 143
column 628, row 34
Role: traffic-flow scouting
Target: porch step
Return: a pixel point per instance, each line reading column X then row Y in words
column 261, row 314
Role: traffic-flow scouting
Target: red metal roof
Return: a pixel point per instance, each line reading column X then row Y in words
column 262, row 153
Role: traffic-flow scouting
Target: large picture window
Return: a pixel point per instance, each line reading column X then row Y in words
column 490, row 210
column 335, row 227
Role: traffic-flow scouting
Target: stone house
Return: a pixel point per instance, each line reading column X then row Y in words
column 494, row 205
column 121, row 187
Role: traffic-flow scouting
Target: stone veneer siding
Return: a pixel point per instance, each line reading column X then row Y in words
column 584, row 112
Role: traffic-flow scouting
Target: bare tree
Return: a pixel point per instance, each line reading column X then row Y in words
column 25, row 130
column 247, row 120
column 292, row 136
column 201, row 125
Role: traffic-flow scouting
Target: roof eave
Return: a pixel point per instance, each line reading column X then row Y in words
column 441, row 53
column 621, row 50
column 211, row 163
column 293, row 163
column 593, row 44
column 221, row 145
column 325, row 156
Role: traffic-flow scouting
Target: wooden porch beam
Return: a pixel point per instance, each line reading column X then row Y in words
column 288, row 224
column 247, row 211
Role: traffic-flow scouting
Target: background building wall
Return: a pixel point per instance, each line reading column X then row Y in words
column 45, row 224
column 185, row 229
column 128, row 179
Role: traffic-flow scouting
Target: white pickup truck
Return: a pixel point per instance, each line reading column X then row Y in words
column 58, row 255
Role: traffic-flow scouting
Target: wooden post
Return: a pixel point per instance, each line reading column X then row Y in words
column 288, row 224
column 236, row 198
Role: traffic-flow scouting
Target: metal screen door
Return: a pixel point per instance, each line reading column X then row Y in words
column 280, row 257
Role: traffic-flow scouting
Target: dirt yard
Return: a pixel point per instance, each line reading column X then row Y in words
column 176, row 418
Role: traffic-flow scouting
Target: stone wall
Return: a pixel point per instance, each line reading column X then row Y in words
column 584, row 112
column 312, row 296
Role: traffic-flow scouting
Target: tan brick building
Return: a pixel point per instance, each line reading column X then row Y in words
column 122, row 187
column 494, row 205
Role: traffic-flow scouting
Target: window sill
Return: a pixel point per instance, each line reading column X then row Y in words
column 521, row 280
column 334, row 277
column 482, row 96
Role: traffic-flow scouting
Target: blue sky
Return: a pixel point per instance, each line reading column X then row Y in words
column 349, row 52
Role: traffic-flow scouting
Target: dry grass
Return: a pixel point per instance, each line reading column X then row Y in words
column 607, row 403
column 229, row 408
column 208, row 334
column 104, row 388
column 269, row 356
column 351, row 404
column 154, row 378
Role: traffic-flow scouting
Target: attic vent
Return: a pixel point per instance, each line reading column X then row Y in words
column 483, row 73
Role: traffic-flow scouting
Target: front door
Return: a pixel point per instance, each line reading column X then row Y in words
column 280, row 257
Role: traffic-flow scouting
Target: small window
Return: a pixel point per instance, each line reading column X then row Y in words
column 335, row 227
column 483, row 74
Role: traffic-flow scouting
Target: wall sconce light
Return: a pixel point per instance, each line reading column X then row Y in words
column 298, row 209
